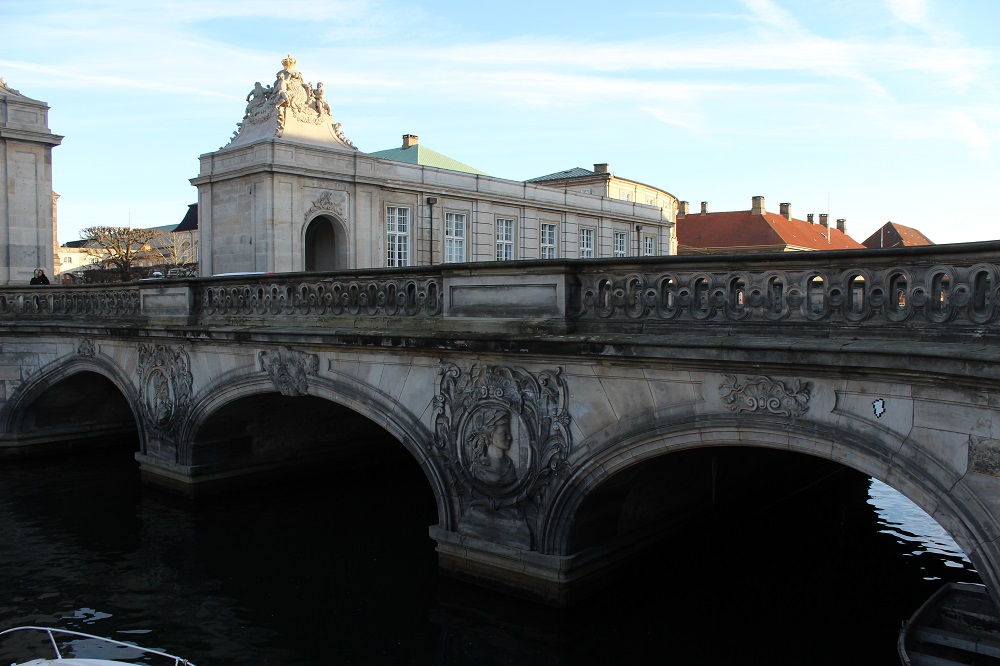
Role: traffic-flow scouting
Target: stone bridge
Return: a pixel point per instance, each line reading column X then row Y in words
column 549, row 404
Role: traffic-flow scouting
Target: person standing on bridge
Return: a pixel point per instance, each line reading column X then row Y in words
column 39, row 277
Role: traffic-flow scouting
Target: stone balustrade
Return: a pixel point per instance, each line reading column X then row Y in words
column 931, row 288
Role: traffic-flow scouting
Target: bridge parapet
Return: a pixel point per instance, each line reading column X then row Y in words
column 860, row 289
column 935, row 291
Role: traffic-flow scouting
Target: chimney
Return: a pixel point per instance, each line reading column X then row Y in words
column 786, row 210
column 842, row 225
column 758, row 206
column 682, row 209
column 600, row 168
column 704, row 207
column 824, row 219
column 410, row 140
column 809, row 219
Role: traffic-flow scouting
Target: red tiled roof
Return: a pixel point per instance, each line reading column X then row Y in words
column 892, row 234
column 770, row 231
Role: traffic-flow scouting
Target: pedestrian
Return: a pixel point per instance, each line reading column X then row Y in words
column 39, row 277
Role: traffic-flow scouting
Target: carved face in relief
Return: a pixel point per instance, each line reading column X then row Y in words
column 491, row 455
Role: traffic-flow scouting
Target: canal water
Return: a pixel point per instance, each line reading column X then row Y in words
column 324, row 572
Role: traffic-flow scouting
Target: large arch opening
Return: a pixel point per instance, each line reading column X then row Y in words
column 749, row 552
column 326, row 246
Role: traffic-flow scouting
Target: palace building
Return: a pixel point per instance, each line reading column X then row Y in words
column 290, row 192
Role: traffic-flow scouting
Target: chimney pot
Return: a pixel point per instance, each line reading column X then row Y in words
column 410, row 140
column 682, row 209
column 758, row 206
column 786, row 210
column 842, row 225
column 704, row 207
column 600, row 168
column 824, row 219
column 810, row 219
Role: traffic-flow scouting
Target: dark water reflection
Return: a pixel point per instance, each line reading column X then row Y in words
column 295, row 574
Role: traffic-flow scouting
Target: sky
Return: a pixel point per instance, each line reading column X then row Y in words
column 868, row 110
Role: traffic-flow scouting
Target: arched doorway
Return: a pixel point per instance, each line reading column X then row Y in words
column 326, row 247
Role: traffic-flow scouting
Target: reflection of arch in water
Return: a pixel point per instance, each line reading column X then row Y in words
column 326, row 246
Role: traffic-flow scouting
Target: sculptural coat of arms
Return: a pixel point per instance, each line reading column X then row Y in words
column 291, row 107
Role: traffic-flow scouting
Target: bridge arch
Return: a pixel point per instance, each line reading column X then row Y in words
column 326, row 244
column 361, row 399
column 56, row 376
column 926, row 482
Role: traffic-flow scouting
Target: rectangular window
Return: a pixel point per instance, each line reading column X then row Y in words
column 621, row 244
column 397, row 229
column 454, row 238
column 649, row 248
column 547, row 241
column 586, row 243
column 505, row 239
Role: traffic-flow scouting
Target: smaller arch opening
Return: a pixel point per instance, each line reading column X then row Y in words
column 84, row 410
column 326, row 247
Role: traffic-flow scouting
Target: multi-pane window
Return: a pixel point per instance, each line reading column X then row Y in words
column 454, row 238
column 586, row 243
column 505, row 239
column 621, row 244
column 649, row 246
column 397, row 229
column 547, row 241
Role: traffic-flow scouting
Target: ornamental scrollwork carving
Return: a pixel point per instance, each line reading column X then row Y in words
column 503, row 431
column 334, row 202
column 763, row 395
column 165, row 387
column 86, row 347
column 839, row 292
column 359, row 297
column 289, row 370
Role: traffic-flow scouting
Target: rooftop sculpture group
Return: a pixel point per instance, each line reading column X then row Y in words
column 289, row 108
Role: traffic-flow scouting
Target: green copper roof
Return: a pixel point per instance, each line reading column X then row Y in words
column 424, row 156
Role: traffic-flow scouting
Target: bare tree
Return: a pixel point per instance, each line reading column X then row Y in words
column 181, row 250
column 122, row 248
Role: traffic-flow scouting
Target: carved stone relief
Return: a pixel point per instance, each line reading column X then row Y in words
column 289, row 370
column 289, row 101
column 165, row 384
column 334, row 202
column 763, row 395
column 502, row 430
column 86, row 347
column 984, row 455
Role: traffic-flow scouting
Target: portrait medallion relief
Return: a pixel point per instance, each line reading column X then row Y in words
column 503, row 431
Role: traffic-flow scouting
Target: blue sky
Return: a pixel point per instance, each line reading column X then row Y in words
column 869, row 110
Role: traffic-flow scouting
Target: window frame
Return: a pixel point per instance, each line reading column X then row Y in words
column 587, row 246
column 620, row 244
column 455, row 236
column 506, row 243
column 548, row 250
column 393, row 257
